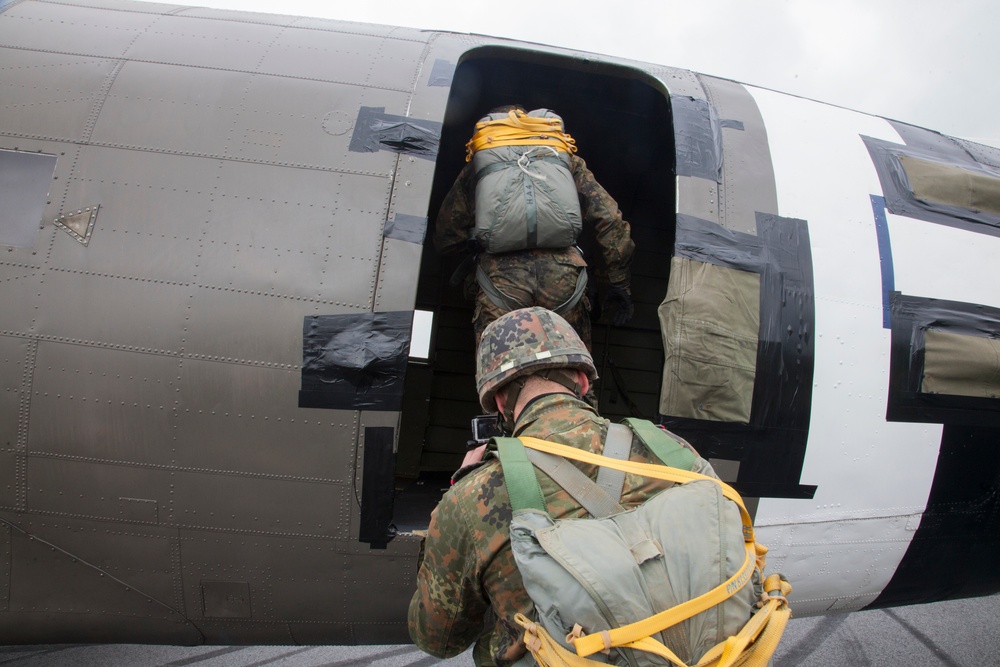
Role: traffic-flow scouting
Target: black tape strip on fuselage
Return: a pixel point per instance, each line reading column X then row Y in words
column 375, row 130
column 709, row 242
column 409, row 228
column 771, row 448
column 698, row 138
column 377, row 487
column 356, row 361
column 911, row 316
column 953, row 551
column 899, row 197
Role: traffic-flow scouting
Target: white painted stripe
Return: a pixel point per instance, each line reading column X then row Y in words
column 873, row 477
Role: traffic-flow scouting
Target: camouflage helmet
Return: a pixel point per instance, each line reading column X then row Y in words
column 524, row 342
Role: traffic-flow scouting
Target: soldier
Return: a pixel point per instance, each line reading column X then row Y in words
column 544, row 173
column 534, row 369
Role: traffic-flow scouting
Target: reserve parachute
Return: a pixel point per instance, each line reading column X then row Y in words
column 525, row 193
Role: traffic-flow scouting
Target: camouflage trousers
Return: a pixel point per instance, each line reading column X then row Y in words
column 538, row 277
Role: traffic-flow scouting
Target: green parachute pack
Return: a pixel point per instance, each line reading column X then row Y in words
column 525, row 193
column 677, row 580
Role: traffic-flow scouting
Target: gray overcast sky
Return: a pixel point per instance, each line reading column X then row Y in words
column 928, row 62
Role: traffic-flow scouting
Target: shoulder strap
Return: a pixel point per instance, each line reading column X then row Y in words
column 523, row 487
column 600, row 499
column 519, row 475
column 664, row 447
column 618, row 445
column 591, row 497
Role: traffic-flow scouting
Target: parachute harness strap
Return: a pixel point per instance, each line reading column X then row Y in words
column 519, row 129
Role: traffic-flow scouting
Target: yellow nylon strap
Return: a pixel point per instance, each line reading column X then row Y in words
column 650, row 645
column 546, row 650
column 752, row 646
column 644, row 469
column 633, row 632
column 519, row 130
column 765, row 645
column 761, row 633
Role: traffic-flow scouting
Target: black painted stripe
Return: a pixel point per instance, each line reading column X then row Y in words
column 953, row 552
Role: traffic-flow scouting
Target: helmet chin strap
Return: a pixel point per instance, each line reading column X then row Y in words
column 566, row 378
column 511, row 392
column 513, row 389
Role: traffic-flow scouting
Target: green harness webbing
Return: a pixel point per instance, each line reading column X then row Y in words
column 503, row 300
column 669, row 451
column 519, row 475
column 522, row 483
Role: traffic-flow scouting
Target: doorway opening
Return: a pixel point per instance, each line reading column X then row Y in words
column 620, row 119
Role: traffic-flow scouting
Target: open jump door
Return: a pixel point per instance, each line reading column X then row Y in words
column 620, row 119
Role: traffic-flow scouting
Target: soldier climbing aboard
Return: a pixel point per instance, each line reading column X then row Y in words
column 518, row 207
column 667, row 571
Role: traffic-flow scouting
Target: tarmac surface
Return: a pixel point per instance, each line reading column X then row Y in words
column 959, row 633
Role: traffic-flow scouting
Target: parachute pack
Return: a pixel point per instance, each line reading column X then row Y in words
column 525, row 193
column 677, row 580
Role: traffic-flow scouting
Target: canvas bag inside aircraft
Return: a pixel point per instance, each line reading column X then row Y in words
column 525, row 193
column 677, row 580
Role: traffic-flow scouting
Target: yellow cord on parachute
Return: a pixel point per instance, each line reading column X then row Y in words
column 752, row 646
column 519, row 129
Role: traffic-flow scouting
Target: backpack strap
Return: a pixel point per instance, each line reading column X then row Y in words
column 654, row 470
column 600, row 499
column 519, row 475
column 575, row 482
column 664, row 447
column 618, row 445
column 525, row 492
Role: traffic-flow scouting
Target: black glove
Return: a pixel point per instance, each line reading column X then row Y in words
column 618, row 304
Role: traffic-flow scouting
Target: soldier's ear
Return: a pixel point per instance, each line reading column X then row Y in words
column 501, row 400
column 583, row 381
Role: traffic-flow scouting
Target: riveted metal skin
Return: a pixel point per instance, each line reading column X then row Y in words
column 158, row 480
column 221, row 178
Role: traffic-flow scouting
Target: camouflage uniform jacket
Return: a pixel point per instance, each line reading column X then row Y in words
column 468, row 585
column 457, row 219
